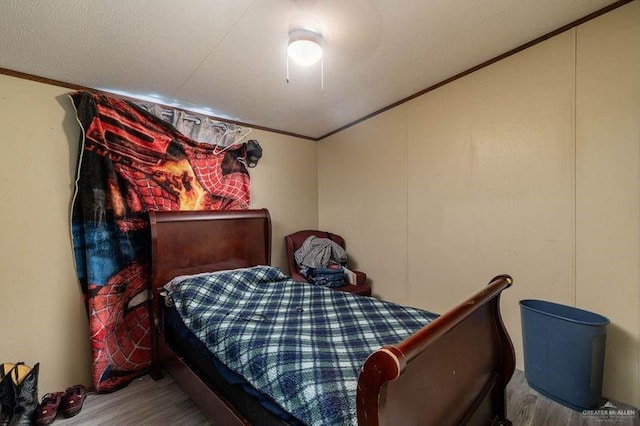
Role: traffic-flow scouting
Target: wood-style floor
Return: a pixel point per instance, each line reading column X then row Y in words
column 527, row 407
column 146, row 402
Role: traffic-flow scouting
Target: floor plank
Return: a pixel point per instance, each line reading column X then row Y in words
column 147, row 402
column 143, row 402
column 527, row 407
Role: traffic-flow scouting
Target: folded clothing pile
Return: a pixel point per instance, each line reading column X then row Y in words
column 326, row 277
column 321, row 261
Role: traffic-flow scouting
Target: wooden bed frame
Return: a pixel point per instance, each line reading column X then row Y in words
column 452, row 371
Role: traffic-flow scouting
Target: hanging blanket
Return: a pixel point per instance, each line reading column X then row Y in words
column 131, row 162
column 302, row 345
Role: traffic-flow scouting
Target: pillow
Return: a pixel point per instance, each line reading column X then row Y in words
column 223, row 265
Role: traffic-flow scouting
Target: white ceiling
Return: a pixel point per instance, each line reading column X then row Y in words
column 227, row 57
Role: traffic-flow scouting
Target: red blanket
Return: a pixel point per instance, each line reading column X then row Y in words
column 131, row 162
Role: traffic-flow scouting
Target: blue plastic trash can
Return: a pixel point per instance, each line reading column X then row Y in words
column 564, row 352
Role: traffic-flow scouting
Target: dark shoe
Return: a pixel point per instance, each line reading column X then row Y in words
column 48, row 409
column 7, row 393
column 72, row 400
column 26, row 392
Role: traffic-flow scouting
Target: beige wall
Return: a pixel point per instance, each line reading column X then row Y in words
column 479, row 177
column 286, row 182
column 491, row 183
column 362, row 196
column 608, row 187
column 41, row 309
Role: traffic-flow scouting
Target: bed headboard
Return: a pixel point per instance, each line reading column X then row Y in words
column 188, row 242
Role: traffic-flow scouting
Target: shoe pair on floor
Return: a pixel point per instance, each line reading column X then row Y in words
column 69, row 403
column 18, row 393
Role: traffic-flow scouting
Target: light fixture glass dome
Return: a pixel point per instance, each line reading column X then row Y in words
column 304, row 47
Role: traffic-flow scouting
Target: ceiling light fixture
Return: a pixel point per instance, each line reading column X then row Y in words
column 305, row 48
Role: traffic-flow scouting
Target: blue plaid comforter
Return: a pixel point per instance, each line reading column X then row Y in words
column 300, row 344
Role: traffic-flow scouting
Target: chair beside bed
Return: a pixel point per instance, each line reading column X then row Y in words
column 293, row 242
column 452, row 371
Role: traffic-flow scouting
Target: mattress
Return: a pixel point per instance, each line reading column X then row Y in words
column 302, row 345
column 254, row 405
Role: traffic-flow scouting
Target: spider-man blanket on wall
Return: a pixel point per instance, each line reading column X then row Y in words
column 131, row 162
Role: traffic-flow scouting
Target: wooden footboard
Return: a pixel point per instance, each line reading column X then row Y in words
column 452, row 371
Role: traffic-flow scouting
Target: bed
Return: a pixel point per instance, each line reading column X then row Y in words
column 452, row 371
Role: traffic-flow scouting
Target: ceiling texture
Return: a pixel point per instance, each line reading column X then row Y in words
column 227, row 58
